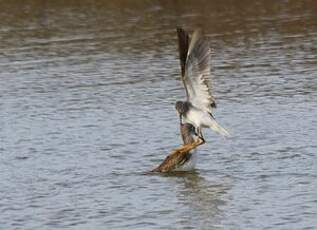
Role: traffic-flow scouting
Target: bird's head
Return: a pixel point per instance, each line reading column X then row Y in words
column 181, row 107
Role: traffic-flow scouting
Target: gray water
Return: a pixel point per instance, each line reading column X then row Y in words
column 87, row 99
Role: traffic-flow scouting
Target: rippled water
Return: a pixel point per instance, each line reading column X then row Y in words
column 86, row 107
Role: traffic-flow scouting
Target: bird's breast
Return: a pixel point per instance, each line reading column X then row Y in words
column 194, row 117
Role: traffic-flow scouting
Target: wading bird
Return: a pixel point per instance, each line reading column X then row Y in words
column 184, row 157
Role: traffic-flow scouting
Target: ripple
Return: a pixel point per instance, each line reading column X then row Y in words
column 87, row 109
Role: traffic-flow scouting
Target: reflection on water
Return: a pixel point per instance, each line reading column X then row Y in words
column 203, row 200
column 86, row 100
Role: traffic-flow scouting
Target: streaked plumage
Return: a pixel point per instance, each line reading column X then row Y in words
column 197, row 110
column 183, row 158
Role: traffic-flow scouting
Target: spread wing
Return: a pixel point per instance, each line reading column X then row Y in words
column 196, row 71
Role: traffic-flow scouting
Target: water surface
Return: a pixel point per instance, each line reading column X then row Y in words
column 87, row 99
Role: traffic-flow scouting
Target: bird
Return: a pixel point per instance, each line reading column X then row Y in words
column 183, row 158
column 194, row 55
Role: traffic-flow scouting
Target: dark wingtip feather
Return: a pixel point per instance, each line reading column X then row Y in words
column 183, row 43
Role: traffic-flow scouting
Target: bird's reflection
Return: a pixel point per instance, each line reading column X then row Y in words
column 203, row 199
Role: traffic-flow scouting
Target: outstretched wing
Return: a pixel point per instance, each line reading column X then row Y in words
column 197, row 75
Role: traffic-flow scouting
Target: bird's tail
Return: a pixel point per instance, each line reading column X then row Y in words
column 218, row 129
